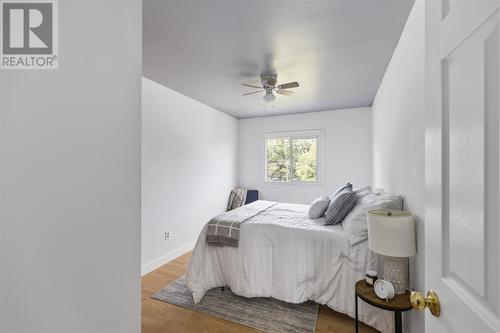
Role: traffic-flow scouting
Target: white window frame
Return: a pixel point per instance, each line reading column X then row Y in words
column 318, row 134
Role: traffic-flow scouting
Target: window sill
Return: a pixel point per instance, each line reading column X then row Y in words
column 305, row 184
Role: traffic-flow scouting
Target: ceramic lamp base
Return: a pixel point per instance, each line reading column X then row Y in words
column 395, row 271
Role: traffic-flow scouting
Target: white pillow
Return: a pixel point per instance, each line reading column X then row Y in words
column 362, row 191
column 318, row 207
column 355, row 225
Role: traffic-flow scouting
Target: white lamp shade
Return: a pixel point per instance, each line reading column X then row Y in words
column 391, row 233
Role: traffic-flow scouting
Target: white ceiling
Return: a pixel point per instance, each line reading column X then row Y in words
column 338, row 50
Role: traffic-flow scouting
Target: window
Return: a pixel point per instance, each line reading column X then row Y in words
column 292, row 158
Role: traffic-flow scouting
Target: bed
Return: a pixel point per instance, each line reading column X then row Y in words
column 285, row 255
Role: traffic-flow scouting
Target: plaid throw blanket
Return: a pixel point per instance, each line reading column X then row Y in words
column 237, row 198
column 225, row 228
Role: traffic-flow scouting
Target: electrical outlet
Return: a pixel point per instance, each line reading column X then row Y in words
column 167, row 235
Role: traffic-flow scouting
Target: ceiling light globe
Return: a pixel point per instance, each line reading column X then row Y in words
column 269, row 97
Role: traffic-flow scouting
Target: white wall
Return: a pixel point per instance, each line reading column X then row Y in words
column 399, row 134
column 347, row 152
column 189, row 166
column 70, row 194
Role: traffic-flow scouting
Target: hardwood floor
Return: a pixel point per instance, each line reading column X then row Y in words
column 162, row 317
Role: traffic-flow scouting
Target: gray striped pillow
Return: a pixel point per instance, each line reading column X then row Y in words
column 340, row 189
column 340, row 205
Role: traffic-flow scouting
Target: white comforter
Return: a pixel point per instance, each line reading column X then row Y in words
column 287, row 256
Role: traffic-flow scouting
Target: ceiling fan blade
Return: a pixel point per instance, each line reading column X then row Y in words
column 288, row 85
column 253, row 92
column 284, row 92
column 251, row 86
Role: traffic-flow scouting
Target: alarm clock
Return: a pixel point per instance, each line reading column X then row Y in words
column 384, row 289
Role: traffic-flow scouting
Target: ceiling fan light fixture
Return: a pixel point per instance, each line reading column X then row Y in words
column 269, row 86
column 269, row 97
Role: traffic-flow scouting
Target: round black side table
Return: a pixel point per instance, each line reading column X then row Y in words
column 399, row 304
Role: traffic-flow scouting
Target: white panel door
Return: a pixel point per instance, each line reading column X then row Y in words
column 462, row 164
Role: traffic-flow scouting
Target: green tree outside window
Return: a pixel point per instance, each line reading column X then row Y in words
column 291, row 159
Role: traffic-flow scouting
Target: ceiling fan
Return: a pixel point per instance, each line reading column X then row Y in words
column 269, row 86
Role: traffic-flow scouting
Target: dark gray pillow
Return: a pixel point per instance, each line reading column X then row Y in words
column 346, row 186
column 340, row 205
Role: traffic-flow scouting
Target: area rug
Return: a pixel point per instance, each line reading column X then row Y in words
column 266, row 314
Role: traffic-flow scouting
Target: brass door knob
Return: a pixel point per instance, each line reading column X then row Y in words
column 431, row 301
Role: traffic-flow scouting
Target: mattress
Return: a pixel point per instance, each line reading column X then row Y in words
column 285, row 255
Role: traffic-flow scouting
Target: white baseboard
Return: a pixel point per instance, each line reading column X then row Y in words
column 152, row 265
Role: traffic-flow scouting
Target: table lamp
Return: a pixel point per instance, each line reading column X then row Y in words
column 391, row 233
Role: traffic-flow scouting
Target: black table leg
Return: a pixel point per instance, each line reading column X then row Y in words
column 356, row 307
column 399, row 323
